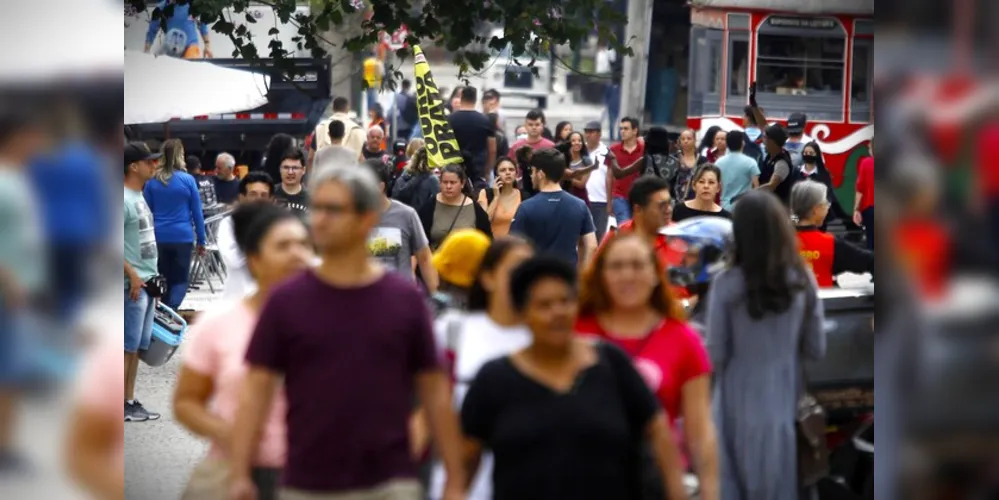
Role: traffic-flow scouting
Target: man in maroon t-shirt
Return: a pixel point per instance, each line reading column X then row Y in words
column 630, row 152
column 349, row 372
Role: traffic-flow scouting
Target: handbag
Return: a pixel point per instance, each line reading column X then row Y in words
column 810, row 422
column 155, row 287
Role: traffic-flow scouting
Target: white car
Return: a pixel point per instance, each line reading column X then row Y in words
column 511, row 79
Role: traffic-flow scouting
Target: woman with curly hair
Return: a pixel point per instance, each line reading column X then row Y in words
column 417, row 184
column 523, row 155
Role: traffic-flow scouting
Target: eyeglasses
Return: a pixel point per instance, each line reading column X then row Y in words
column 331, row 208
column 291, row 168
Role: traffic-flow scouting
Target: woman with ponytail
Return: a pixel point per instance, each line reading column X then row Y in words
column 173, row 198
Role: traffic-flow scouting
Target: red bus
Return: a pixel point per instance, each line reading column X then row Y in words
column 812, row 57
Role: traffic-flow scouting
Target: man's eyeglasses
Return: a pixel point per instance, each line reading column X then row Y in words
column 331, row 208
column 291, row 168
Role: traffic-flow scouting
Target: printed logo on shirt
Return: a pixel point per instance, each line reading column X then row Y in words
column 291, row 205
column 385, row 242
column 147, row 232
column 650, row 372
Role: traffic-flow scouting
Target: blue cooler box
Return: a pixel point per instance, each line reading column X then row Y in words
column 168, row 332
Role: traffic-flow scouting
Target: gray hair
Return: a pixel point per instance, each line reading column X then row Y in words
column 361, row 183
column 805, row 196
column 227, row 159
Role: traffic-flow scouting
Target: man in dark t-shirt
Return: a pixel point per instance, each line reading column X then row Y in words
column 476, row 135
column 290, row 193
column 373, row 149
column 557, row 222
column 206, row 183
column 348, row 370
column 226, row 182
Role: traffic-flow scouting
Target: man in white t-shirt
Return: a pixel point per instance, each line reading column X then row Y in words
column 597, row 186
column 255, row 187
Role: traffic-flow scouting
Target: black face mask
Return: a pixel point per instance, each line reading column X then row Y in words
column 810, row 159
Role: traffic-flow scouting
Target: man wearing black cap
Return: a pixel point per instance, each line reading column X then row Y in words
column 796, row 137
column 140, row 268
column 778, row 163
column 599, row 183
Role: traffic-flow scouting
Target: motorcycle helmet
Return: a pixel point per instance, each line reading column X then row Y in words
column 705, row 244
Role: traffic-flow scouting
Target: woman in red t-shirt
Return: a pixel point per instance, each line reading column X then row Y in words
column 626, row 300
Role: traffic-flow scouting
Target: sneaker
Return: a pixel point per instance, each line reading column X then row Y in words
column 142, row 410
column 134, row 415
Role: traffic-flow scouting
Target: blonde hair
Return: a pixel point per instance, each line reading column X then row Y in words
column 418, row 162
column 173, row 160
column 413, row 146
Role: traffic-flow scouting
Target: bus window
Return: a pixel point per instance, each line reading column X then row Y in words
column 860, row 83
column 800, row 66
column 738, row 72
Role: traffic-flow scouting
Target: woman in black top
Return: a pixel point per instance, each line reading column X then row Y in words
column 565, row 418
column 706, row 185
column 811, row 155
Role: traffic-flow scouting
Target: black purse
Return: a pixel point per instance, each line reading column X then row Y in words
column 156, row 287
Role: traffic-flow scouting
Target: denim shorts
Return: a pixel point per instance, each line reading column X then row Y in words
column 622, row 210
column 139, row 321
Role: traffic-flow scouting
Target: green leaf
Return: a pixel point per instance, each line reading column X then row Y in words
column 459, row 26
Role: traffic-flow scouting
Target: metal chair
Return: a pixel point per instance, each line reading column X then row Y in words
column 208, row 266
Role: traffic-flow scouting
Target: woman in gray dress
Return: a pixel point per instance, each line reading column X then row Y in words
column 759, row 328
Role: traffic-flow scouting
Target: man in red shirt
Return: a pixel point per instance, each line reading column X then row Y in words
column 988, row 174
column 652, row 206
column 630, row 152
column 863, row 205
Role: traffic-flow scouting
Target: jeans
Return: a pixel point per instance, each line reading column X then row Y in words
column 69, row 285
column 868, row 216
column 139, row 316
column 175, row 267
column 614, row 127
column 599, row 212
column 622, row 210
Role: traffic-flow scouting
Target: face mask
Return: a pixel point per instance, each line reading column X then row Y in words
column 809, row 159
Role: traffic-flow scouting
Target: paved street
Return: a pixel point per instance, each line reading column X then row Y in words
column 160, row 455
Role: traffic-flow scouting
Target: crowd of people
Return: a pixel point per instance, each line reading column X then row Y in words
column 526, row 330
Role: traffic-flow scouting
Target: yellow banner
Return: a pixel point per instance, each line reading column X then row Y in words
column 442, row 148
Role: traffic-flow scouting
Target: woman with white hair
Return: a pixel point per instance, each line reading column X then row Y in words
column 827, row 255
